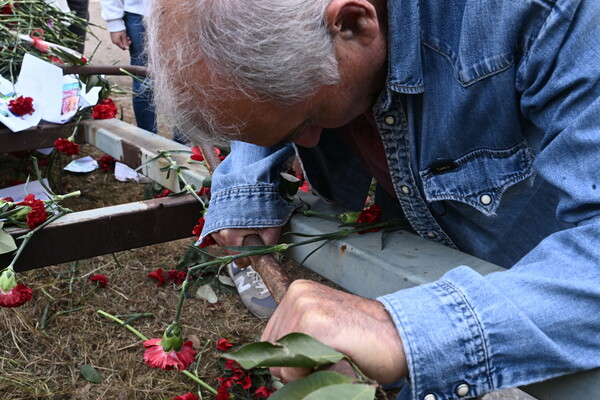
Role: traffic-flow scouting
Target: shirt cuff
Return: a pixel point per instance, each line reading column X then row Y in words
column 445, row 346
column 247, row 207
column 115, row 25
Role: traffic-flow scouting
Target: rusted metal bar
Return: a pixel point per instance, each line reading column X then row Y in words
column 37, row 137
column 107, row 230
column 104, row 70
column 274, row 277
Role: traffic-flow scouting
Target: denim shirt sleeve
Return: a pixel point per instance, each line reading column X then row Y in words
column 245, row 189
column 541, row 318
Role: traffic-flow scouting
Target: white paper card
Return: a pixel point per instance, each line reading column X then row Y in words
column 82, row 165
column 124, row 173
column 45, row 81
column 18, row 192
column 12, row 121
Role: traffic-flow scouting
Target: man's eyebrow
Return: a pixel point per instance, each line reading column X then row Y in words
column 293, row 134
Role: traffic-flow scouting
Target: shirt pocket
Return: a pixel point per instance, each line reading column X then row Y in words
column 478, row 178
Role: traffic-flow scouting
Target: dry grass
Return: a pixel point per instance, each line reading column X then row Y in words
column 44, row 343
column 41, row 357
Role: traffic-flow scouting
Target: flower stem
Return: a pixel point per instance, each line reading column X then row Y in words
column 121, row 322
column 199, row 381
column 141, row 336
column 184, row 286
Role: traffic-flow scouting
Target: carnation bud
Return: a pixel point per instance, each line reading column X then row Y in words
column 349, row 217
column 7, row 280
column 172, row 338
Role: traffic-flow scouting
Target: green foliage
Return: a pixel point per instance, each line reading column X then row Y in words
column 90, row 373
column 23, row 17
column 300, row 350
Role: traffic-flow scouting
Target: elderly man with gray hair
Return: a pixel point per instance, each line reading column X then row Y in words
column 479, row 120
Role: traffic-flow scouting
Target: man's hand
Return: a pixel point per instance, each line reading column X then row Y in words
column 360, row 328
column 120, row 39
column 235, row 237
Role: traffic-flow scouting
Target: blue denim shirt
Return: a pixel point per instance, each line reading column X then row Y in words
column 491, row 124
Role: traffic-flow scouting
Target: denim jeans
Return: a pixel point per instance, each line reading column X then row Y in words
column 80, row 8
column 143, row 107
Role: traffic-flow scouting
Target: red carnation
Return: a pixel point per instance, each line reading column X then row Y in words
column 13, row 294
column 222, row 393
column 263, row 392
column 204, row 192
column 224, row 345
column 37, row 214
column 6, row 10
column 158, row 275
column 197, row 154
column 370, row 215
column 105, row 109
column 156, row 357
column 66, row 146
column 15, row 297
column 21, row 106
column 164, row 193
column 232, row 365
column 208, row 239
column 177, row 276
column 245, row 383
column 187, row 396
column 100, row 280
column 106, row 162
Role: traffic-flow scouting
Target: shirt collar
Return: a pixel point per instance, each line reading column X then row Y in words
column 405, row 72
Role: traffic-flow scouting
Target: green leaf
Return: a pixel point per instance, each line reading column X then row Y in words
column 292, row 350
column 344, row 391
column 90, row 373
column 301, row 388
column 7, row 243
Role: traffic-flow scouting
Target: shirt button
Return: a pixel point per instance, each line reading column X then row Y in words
column 405, row 189
column 486, row 199
column 430, row 397
column 431, row 235
column 462, row 390
column 390, row 120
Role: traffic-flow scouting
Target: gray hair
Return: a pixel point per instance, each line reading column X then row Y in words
column 268, row 50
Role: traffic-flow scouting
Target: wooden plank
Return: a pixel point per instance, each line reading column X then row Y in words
column 108, row 230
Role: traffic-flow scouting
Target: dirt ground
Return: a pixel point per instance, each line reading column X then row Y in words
column 44, row 343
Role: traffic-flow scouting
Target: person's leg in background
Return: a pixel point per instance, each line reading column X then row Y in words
column 80, row 8
column 143, row 107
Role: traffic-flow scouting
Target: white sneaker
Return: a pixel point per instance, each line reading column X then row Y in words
column 252, row 290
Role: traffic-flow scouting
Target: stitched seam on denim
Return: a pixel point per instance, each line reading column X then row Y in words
column 465, row 83
column 496, row 191
column 416, row 210
column 396, row 313
column 527, row 53
column 494, row 153
column 258, row 189
column 453, row 290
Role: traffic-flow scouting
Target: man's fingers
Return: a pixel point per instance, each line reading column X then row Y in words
column 290, row 373
column 242, row 262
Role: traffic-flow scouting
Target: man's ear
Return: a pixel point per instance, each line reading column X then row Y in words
column 354, row 20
